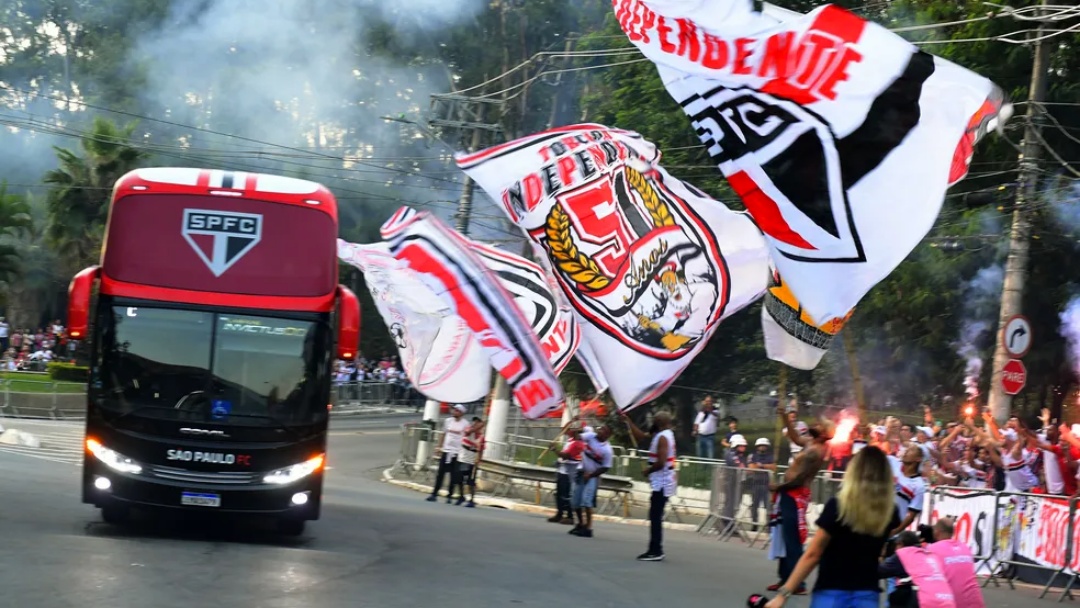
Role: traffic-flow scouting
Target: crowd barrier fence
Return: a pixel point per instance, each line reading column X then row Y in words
column 1007, row 531
column 1011, row 530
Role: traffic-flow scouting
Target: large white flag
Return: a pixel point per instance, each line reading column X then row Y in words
column 649, row 264
column 544, row 306
column 840, row 137
column 791, row 336
column 473, row 291
column 438, row 351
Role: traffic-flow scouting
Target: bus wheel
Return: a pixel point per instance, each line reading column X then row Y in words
column 291, row 527
column 115, row 515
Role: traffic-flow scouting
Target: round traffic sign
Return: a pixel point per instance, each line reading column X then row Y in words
column 1016, row 336
column 1013, row 376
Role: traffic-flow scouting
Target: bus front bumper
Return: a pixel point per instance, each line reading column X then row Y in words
column 103, row 487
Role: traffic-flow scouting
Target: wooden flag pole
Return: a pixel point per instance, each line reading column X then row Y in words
column 781, row 398
column 856, row 379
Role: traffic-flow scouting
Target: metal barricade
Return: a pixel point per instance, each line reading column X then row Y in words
column 1016, row 511
column 738, row 504
column 984, row 535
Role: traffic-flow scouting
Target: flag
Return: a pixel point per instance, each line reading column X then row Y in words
column 791, row 336
column 839, row 136
column 553, row 323
column 473, row 291
column 649, row 264
column 543, row 304
column 438, row 352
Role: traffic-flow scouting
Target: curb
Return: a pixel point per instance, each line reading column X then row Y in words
column 513, row 505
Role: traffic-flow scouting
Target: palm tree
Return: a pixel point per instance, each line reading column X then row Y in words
column 41, row 288
column 78, row 200
column 15, row 220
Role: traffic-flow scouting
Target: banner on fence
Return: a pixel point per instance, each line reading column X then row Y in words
column 1044, row 530
column 974, row 512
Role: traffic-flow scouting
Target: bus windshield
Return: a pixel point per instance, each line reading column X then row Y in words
column 198, row 366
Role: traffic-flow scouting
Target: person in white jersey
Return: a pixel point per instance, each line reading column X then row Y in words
column 449, row 450
column 661, row 473
column 596, row 459
column 910, row 485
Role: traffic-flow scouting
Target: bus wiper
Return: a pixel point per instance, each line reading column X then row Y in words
column 278, row 423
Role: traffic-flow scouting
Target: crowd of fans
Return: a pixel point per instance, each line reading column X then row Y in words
column 387, row 373
column 24, row 349
column 1036, row 455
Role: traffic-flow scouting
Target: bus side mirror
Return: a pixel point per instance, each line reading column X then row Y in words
column 78, row 314
column 348, row 342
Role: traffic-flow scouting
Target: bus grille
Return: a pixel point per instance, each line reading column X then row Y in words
column 229, row 478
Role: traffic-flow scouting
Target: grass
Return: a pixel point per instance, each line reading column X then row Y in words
column 31, row 382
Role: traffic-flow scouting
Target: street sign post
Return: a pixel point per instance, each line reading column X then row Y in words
column 1016, row 336
column 1013, row 376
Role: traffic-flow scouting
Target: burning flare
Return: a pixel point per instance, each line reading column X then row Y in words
column 845, row 427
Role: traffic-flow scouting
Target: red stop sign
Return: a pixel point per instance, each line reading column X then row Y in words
column 1013, row 376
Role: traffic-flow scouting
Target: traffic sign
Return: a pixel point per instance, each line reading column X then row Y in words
column 1013, row 376
column 1016, row 336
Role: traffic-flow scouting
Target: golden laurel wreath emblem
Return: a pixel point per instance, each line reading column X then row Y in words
column 581, row 268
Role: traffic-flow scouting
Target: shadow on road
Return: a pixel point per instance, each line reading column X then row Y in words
column 246, row 530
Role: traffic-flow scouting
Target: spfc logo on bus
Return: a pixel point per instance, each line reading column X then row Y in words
column 221, row 238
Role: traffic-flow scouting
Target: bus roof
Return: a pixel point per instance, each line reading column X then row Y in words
column 226, row 238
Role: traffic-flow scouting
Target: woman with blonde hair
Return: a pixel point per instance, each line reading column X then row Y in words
column 852, row 532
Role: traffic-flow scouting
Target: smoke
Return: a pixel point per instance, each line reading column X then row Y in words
column 1070, row 330
column 304, row 76
column 980, row 294
column 1066, row 205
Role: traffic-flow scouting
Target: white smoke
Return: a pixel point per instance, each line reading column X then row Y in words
column 1070, row 330
column 296, row 87
column 980, row 293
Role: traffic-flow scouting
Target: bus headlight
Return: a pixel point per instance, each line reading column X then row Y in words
column 113, row 459
column 295, row 472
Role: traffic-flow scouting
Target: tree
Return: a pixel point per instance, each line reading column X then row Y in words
column 14, row 222
column 78, row 199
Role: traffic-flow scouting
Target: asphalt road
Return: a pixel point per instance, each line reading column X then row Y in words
column 377, row 545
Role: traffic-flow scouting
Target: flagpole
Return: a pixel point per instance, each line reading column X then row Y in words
column 781, row 424
column 856, row 379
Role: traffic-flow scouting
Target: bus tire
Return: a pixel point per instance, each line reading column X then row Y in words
column 115, row 515
column 290, row 526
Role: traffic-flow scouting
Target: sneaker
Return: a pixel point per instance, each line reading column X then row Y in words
column 650, row 557
column 774, row 587
column 555, row 519
column 576, row 530
column 800, row 591
column 460, row 500
column 431, row 498
column 585, row 533
column 567, row 521
column 470, row 504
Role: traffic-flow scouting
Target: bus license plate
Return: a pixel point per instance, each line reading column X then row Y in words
column 200, row 500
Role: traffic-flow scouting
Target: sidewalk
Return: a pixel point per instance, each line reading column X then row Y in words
column 520, row 503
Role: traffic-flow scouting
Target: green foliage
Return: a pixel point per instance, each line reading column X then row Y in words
column 58, row 53
column 66, row 372
column 78, row 199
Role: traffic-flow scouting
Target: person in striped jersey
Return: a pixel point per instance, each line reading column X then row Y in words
column 472, row 449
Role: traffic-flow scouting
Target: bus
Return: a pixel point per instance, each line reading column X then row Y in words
column 212, row 319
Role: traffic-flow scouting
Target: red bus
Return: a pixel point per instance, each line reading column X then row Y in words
column 213, row 321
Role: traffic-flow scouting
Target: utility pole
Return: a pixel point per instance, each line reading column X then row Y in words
column 1012, row 293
